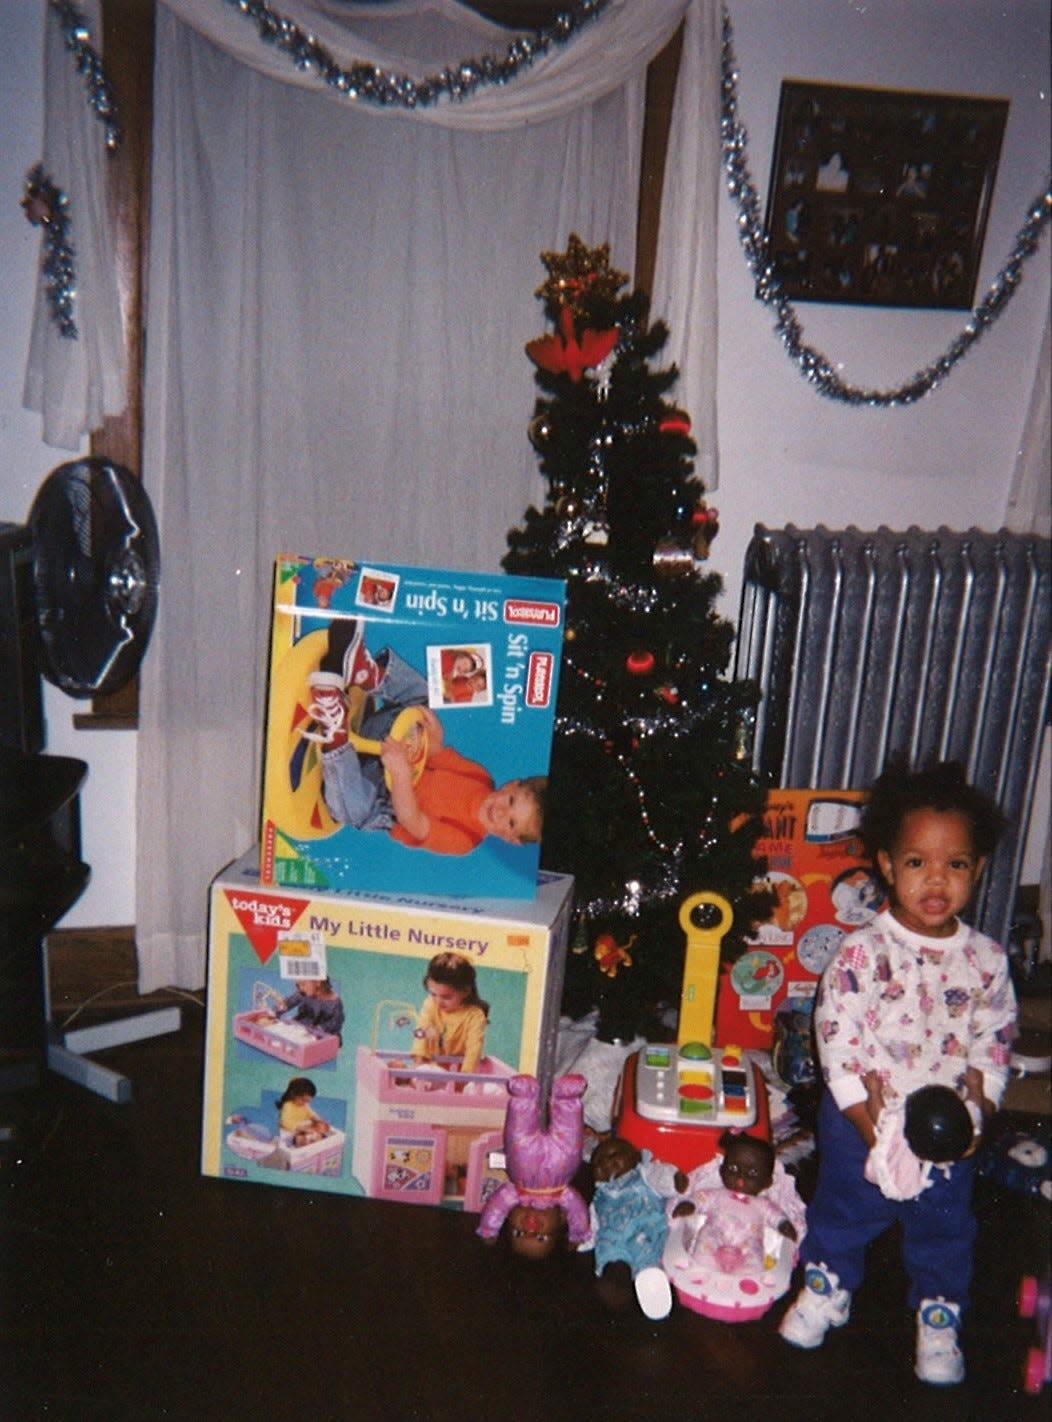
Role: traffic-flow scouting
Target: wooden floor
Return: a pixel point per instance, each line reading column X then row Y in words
column 133, row 1288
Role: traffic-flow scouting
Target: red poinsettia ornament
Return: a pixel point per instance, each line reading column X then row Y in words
column 562, row 353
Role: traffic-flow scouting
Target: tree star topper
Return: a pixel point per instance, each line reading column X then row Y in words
column 577, row 277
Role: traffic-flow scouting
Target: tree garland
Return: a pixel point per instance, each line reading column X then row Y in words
column 814, row 366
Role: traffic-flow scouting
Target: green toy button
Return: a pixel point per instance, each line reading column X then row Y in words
column 695, row 1052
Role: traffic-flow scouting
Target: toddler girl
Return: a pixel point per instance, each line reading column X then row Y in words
column 919, row 998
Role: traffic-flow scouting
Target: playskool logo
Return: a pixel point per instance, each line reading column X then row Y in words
column 539, row 679
column 534, row 614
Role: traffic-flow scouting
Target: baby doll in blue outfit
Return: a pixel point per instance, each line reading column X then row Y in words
column 629, row 1220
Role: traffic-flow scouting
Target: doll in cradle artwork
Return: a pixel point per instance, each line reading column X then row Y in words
column 735, row 1230
column 303, row 1028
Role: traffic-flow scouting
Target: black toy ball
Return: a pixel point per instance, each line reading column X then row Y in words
column 938, row 1127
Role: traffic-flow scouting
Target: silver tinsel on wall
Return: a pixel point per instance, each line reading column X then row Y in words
column 387, row 89
column 814, row 366
column 47, row 206
column 89, row 64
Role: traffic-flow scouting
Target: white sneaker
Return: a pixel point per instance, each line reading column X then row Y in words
column 939, row 1357
column 654, row 1292
column 820, row 1305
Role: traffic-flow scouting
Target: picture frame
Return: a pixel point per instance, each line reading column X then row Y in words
column 880, row 197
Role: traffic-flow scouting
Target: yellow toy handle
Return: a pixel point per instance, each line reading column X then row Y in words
column 407, row 720
column 701, row 968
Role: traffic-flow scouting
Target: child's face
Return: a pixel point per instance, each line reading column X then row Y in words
column 445, row 998
column 511, row 813
column 745, row 1169
column 931, row 871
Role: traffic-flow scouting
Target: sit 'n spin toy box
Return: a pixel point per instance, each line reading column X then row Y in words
column 402, row 702
column 330, row 1066
column 824, row 887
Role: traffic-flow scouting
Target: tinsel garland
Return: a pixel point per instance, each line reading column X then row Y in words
column 47, row 206
column 387, row 89
column 814, row 366
column 89, row 64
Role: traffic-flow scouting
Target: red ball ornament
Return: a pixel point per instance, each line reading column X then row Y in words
column 676, row 422
column 640, row 663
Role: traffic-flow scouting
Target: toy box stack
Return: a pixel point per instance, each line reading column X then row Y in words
column 824, row 887
column 400, row 700
column 373, row 1118
column 479, row 652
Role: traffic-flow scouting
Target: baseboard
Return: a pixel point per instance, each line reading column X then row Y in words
column 92, row 964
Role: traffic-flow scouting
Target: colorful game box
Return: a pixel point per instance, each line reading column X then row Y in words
column 460, row 671
column 824, row 887
column 323, row 1068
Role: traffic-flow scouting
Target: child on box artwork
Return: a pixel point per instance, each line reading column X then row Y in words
column 466, row 677
column 453, row 805
column 297, row 1116
column 452, row 1021
column 315, row 1003
column 913, row 998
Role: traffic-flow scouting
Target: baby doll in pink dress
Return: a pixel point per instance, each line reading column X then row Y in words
column 734, row 1208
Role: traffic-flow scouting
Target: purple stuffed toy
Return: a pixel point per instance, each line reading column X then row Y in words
column 538, row 1201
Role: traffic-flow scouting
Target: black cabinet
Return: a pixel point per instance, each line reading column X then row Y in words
column 41, row 877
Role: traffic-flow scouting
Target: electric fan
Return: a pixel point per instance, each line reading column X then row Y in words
column 78, row 598
column 96, row 569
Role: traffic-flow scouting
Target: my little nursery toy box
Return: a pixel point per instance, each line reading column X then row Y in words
column 479, row 651
column 392, row 1128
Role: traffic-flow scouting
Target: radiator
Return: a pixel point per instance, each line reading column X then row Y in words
column 933, row 644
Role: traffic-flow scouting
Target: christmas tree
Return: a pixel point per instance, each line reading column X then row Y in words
column 651, row 796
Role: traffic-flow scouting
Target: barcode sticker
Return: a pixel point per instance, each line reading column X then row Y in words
column 301, row 956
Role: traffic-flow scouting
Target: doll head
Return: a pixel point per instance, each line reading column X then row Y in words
column 536, row 1233
column 612, row 1158
column 747, row 1167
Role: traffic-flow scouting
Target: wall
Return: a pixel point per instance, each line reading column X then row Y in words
column 790, row 455
column 108, row 799
column 787, row 453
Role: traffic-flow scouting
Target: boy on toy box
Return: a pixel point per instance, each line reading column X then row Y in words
column 919, row 998
column 453, row 805
column 452, row 1022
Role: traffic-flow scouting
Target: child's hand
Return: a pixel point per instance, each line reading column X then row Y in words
column 395, row 757
column 874, row 1095
column 433, row 726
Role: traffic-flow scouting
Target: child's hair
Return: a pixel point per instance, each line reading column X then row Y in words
column 940, row 786
column 536, row 786
column 298, row 1086
column 455, row 971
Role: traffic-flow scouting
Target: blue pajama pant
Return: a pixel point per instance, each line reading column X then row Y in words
column 848, row 1213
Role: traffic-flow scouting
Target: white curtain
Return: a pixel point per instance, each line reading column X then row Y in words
column 75, row 383
column 338, row 303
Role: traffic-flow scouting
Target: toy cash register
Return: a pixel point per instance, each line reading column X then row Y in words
column 677, row 1100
